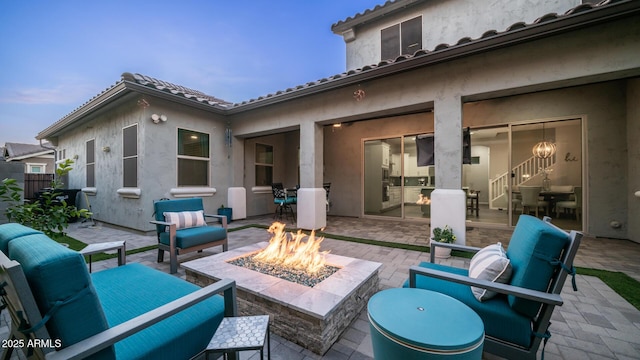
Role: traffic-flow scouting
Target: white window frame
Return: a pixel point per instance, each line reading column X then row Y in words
column 31, row 165
column 197, row 158
column 131, row 156
column 256, row 164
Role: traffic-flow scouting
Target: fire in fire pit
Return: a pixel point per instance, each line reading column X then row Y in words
column 289, row 257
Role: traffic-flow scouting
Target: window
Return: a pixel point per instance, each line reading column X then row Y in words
column 401, row 39
column 264, row 165
column 61, row 154
column 36, row 168
column 193, row 158
column 91, row 163
column 130, row 156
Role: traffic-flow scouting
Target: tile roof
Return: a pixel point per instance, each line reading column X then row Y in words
column 438, row 52
column 174, row 89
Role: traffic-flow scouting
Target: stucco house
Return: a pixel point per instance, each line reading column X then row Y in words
column 515, row 74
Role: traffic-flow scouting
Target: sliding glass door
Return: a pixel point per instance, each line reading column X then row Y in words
column 394, row 184
column 546, row 176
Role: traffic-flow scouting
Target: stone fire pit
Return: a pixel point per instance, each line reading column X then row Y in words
column 313, row 317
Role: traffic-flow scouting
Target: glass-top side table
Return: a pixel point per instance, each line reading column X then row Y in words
column 241, row 333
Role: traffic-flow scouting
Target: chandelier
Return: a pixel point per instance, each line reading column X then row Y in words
column 544, row 149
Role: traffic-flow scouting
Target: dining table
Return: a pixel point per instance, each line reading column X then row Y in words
column 552, row 197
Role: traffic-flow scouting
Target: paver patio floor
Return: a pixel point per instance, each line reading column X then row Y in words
column 593, row 323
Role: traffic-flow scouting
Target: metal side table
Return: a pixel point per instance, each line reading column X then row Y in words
column 106, row 246
column 239, row 334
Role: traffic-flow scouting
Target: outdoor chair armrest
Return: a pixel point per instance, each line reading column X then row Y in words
column 456, row 247
column 111, row 336
column 157, row 222
column 540, row 296
column 221, row 218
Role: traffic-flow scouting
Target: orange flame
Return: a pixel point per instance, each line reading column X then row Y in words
column 290, row 251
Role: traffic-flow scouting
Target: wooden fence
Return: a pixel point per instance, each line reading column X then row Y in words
column 34, row 183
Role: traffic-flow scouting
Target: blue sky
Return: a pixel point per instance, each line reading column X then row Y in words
column 56, row 55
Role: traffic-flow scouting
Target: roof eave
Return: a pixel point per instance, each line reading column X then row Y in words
column 93, row 105
column 110, row 95
column 26, row 156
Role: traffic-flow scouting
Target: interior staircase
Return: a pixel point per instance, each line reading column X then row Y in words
column 524, row 172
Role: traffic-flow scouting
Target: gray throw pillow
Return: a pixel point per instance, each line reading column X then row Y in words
column 490, row 263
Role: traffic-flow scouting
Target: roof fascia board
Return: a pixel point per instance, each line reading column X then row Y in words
column 500, row 40
column 26, row 156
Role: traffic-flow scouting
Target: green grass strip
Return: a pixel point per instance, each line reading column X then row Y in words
column 621, row 283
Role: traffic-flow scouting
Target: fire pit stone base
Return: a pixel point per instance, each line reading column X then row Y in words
column 314, row 317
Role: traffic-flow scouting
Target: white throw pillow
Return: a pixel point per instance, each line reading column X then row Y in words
column 185, row 219
column 490, row 263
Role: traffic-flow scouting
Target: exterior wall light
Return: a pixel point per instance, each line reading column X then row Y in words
column 158, row 118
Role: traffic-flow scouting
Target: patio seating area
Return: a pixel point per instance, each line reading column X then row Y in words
column 594, row 322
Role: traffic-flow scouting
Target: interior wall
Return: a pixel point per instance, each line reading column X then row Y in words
column 475, row 175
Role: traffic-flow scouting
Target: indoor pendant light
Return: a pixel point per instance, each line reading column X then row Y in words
column 544, row 149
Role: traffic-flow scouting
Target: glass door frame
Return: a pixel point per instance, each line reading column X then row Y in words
column 583, row 163
column 363, row 207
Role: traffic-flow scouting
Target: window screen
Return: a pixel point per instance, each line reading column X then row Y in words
column 130, row 156
column 264, row 165
column 91, row 163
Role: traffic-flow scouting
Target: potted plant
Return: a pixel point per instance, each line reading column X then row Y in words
column 228, row 212
column 445, row 235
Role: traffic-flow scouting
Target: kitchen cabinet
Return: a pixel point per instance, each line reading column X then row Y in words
column 395, row 168
column 395, row 196
column 385, row 148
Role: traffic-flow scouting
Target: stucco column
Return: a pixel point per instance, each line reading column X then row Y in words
column 311, row 195
column 448, row 201
column 236, row 193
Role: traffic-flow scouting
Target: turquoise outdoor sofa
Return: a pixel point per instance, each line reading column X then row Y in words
column 517, row 319
column 126, row 312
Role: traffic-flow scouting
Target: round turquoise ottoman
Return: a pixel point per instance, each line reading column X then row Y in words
column 409, row 324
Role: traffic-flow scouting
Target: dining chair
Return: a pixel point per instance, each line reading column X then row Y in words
column 516, row 198
column 327, row 188
column 531, row 198
column 283, row 200
column 575, row 204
